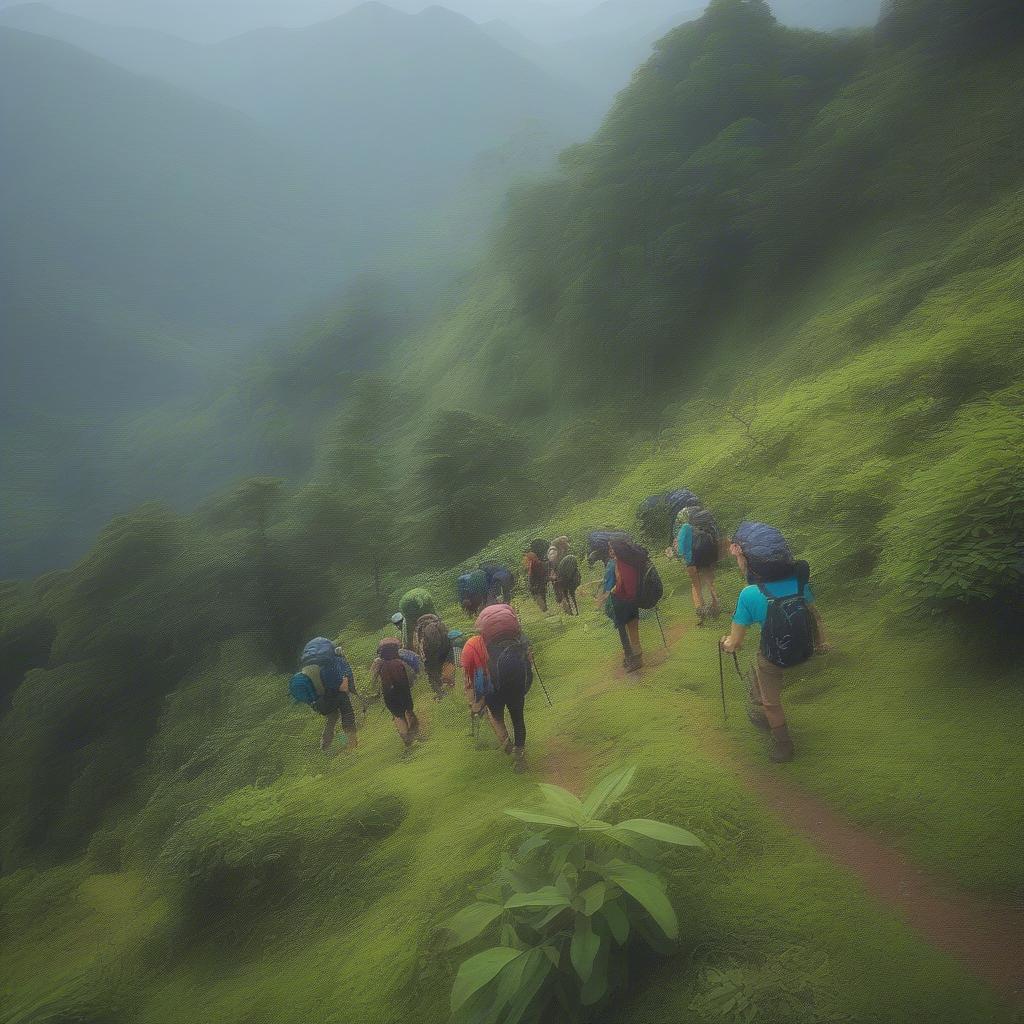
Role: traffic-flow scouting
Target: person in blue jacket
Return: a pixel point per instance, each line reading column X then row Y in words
column 699, row 553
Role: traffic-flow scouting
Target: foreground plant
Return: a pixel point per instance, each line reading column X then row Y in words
column 565, row 907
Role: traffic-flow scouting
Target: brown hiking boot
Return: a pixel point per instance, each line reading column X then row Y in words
column 634, row 663
column 782, row 746
column 519, row 760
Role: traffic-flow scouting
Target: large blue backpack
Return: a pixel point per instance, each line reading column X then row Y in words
column 598, row 541
column 768, row 555
column 500, row 581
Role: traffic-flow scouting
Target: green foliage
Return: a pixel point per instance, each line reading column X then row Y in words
column 567, row 905
column 247, row 858
column 955, row 535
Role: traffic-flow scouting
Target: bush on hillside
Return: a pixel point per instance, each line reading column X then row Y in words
column 253, row 853
column 955, row 536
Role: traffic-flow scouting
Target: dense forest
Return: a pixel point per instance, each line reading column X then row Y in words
column 785, row 271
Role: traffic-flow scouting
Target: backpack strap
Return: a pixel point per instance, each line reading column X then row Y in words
column 764, row 590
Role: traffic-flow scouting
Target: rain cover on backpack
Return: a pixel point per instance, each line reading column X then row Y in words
column 598, row 541
column 768, row 555
column 499, row 620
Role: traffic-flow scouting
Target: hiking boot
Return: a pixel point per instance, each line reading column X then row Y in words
column 702, row 614
column 507, row 747
column 634, row 663
column 782, row 746
column 519, row 761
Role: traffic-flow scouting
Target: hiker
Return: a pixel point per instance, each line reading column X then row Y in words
column 324, row 682
column 696, row 546
column 395, row 676
column 433, row 644
column 597, row 544
column 490, row 583
column 536, row 565
column 657, row 514
column 619, row 598
column 778, row 598
column 567, row 580
column 412, row 605
column 501, row 582
column 498, row 666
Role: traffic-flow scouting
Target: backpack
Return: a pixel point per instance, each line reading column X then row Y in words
column 393, row 665
column 787, row 636
column 540, row 548
column 676, row 502
column 500, row 581
column 598, row 541
column 569, row 576
column 705, row 538
column 649, row 588
column 768, row 555
column 497, row 621
column 508, row 665
column 319, row 651
column 309, row 687
column 432, row 635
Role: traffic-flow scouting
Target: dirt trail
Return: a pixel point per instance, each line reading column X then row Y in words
column 984, row 935
column 987, row 937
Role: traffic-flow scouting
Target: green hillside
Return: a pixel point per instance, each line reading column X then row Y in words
column 785, row 273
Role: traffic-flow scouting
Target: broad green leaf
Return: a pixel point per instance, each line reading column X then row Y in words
column 549, row 917
column 552, row 954
column 608, row 790
column 531, row 843
column 533, row 980
column 548, row 896
column 618, row 921
column 478, row 970
column 561, row 799
column 590, row 900
column 593, row 825
column 647, row 848
column 660, row 831
column 584, row 947
column 595, row 988
column 469, row 923
column 646, row 889
column 542, row 819
column 510, row 979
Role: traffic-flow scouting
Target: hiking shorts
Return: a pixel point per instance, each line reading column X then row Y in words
column 337, row 705
column 398, row 700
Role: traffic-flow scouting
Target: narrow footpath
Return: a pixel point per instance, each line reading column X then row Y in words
column 986, row 936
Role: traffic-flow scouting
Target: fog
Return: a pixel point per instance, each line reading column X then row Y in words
column 544, row 20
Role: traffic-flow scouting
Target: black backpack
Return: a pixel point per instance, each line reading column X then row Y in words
column 787, row 636
column 508, row 664
column 705, row 538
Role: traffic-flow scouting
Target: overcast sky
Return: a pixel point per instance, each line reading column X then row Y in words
column 210, row 19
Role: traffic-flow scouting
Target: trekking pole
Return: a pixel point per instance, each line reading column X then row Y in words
column 721, row 679
column 542, row 686
column 657, row 615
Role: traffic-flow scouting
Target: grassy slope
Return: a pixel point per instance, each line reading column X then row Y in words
column 906, row 728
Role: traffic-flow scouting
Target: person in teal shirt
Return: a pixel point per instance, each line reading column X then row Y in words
column 702, row 576
column 765, row 695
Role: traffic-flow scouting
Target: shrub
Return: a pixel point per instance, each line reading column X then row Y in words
column 956, row 535
column 565, row 907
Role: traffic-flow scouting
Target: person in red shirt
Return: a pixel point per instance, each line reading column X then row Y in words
column 619, row 597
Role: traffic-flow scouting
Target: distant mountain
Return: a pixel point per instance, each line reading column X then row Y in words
column 145, row 233
column 391, row 102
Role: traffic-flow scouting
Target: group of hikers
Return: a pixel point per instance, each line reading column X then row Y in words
column 497, row 661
